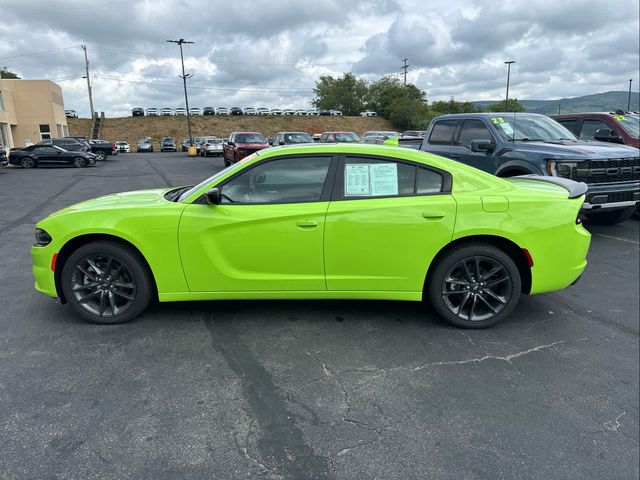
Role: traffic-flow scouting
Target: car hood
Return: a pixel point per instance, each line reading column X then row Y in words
column 578, row 150
column 252, row 145
column 136, row 199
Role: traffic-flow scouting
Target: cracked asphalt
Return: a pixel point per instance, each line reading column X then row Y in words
column 309, row 390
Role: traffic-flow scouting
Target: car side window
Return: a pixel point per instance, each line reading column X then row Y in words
column 590, row 126
column 570, row 124
column 473, row 130
column 372, row 177
column 287, row 180
column 443, row 131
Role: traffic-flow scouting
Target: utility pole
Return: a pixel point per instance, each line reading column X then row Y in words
column 86, row 64
column 629, row 96
column 508, row 63
column 405, row 67
column 184, row 81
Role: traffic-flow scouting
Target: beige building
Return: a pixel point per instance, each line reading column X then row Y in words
column 30, row 111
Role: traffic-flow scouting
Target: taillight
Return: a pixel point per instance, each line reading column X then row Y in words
column 579, row 219
column 113, row 147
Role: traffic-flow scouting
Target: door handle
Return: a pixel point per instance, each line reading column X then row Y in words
column 434, row 215
column 307, row 223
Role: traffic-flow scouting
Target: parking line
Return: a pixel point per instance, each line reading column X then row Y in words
column 617, row 238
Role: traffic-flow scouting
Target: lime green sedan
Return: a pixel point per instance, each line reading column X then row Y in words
column 333, row 221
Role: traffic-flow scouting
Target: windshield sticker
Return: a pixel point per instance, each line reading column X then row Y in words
column 498, row 120
column 507, row 128
column 620, row 118
column 356, row 180
column 384, row 179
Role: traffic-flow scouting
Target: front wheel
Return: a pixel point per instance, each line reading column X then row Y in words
column 474, row 286
column 611, row 217
column 106, row 283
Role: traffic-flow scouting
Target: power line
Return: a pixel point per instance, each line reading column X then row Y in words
column 39, row 54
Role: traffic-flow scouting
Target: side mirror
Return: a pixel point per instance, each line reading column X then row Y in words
column 230, row 143
column 606, row 135
column 213, row 196
column 481, row 145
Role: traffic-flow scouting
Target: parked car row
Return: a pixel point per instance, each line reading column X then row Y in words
column 261, row 111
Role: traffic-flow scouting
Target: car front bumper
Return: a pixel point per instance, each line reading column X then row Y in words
column 612, row 196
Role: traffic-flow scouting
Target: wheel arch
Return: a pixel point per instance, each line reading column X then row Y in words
column 517, row 167
column 77, row 242
column 507, row 246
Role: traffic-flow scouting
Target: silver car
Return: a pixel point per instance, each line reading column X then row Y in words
column 222, row 111
column 211, row 146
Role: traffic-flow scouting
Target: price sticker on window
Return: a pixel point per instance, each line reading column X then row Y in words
column 356, row 180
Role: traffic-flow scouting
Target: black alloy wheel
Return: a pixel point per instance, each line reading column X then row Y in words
column 28, row 162
column 79, row 162
column 106, row 283
column 474, row 286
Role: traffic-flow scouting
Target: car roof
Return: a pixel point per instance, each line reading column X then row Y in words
column 336, row 131
column 289, row 132
column 487, row 115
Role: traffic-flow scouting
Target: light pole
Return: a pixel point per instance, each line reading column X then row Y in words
column 508, row 63
column 184, row 81
column 629, row 96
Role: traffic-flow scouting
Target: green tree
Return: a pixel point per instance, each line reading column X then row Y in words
column 405, row 106
column 453, row 106
column 512, row 105
column 5, row 73
column 347, row 93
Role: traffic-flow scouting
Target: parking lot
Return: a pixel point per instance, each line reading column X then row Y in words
column 309, row 389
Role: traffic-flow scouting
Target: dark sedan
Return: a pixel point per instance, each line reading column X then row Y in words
column 168, row 144
column 36, row 155
column 235, row 111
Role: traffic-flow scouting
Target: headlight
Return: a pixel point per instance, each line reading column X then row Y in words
column 558, row 168
column 42, row 238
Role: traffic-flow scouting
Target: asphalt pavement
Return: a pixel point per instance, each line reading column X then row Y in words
column 309, row 389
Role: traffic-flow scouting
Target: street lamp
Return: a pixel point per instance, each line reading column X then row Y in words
column 629, row 96
column 184, row 77
column 508, row 63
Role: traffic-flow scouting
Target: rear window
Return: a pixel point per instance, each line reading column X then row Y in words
column 442, row 133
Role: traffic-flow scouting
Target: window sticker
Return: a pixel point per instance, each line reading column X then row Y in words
column 372, row 179
column 384, row 179
column 356, row 180
column 507, row 128
column 498, row 120
column 620, row 118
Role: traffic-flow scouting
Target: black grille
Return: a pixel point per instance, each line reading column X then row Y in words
column 607, row 171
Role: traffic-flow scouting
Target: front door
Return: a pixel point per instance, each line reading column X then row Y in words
column 473, row 129
column 266, row 235
column 385, row 225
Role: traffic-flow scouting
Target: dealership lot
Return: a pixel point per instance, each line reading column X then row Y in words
column 309, row 389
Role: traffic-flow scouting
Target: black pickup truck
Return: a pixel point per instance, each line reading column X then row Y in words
column 508, row 144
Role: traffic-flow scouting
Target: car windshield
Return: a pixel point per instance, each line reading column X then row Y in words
column 347, row 137
column 298, row 138
column 631, row 123
column 527, row 128
column 250, row 138
column 213, row 140
column 232, row 168
column 144, row 140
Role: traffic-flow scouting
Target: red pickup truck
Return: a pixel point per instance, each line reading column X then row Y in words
column 614, row 127
column 242, row 144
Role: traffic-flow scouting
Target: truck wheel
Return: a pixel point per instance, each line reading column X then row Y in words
column 474, row 286
column 100, row 155
column 611, row 217
column 106, row 283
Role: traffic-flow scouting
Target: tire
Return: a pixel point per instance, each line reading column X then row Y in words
column 612, row 217
column 100, row 155
column 226, row 162
column 117, row 300
column 636, row 213
column 449, row 277
column 28, row 162
column 79, row 162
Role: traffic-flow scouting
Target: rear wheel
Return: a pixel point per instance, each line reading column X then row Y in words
column 28, row 162
column 611, row 217
column 100, row 155
column 474, row 286
column 106, row 283
column 79, row 162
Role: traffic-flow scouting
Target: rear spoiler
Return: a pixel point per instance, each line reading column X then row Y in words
column 575, row 189
column 408, row 142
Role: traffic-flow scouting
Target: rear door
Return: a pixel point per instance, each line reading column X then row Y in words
column 386, row 221
column 441, row 137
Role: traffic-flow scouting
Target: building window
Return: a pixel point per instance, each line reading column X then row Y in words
column 45, row 132
column 65, row 130
column 4, row 137
column 1, row 102
column 59, row 129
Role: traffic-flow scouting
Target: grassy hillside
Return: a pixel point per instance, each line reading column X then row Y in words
column 599, row 102
column 131, row 129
